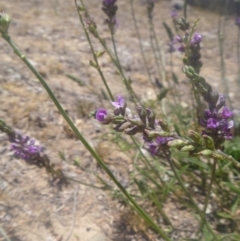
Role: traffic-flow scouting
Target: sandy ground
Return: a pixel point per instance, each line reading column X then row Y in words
column 32, row 207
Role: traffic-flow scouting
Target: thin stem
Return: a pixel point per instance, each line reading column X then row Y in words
column 185, row 10
column 155, row 50
column 4, row 234
column 141, row 47
column 138, row 208
column 118, row 64
column 209, row 190
column 94, row 54
column 221, row 34
column 238, row 55
column 190, row 197
column 162, row 61
column 159, row 205
column 115, row 51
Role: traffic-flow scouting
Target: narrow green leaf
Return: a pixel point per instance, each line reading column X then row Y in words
column 175, row 78
column 75, row 79
column 163, row 94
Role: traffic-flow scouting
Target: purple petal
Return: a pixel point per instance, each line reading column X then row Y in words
column 230, row 124
column 101, row 114
column 119, row 103
column 226, row 113
column 237, row 21
column 179, row 39
column 212, row 123
column 197, row 38
column 181, row 48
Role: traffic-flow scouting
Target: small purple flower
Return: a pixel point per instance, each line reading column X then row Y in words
column 101, row 115
column 197, row 38
column 181, row 48
column 226, row 113
column 173, row 14
column 25, row 148
column 120, row 106
column 217, row 121
column 159, row 143
column 179, row 39
column 237, row 21
column 171, row 46
column 212, row 123
column 119, row 103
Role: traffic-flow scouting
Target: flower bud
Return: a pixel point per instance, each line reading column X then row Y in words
column 214, row 96
column 133, row 130
column 4, row 22
column 177, row 143
column 142, row 114
column 183, row 24
column 189, row 71
column 187, row 148
column 122, row 126
column 218, row 155
column 151, row 133
column 205, row 152
column 100, row 53
column 209, row 142
column 150, row 117
column 135, row 121
column 102, row 116
column 164, row 125
column 196, row 137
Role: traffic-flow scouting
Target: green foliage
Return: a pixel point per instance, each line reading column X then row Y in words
column 190, row 167
column 233, row 148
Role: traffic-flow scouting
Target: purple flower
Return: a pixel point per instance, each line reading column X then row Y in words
column 119, row 103
column 174, row 14
column 226, row 113
column 179, row 39
column 212, row 123
column 120, row 106
column 109, row 2
column 237, row 21
column 101, row 115
column 25, row 148
column 157, row 145
column 110, row 9
column 197, row 38
column 181, row 48
column 217, row 121
column 171, row 46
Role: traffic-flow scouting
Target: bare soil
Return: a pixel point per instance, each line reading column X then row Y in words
column 32, row 206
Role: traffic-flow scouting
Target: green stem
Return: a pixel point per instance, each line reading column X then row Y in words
column 209, row 191
column 185, row 9
column 152, row 40
column 238, row 55
column 94, row 54
column 221, row 34
column 118, row 64
column 190, row 197
column 141, row 47
column 4, row 234
column 138, row 208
